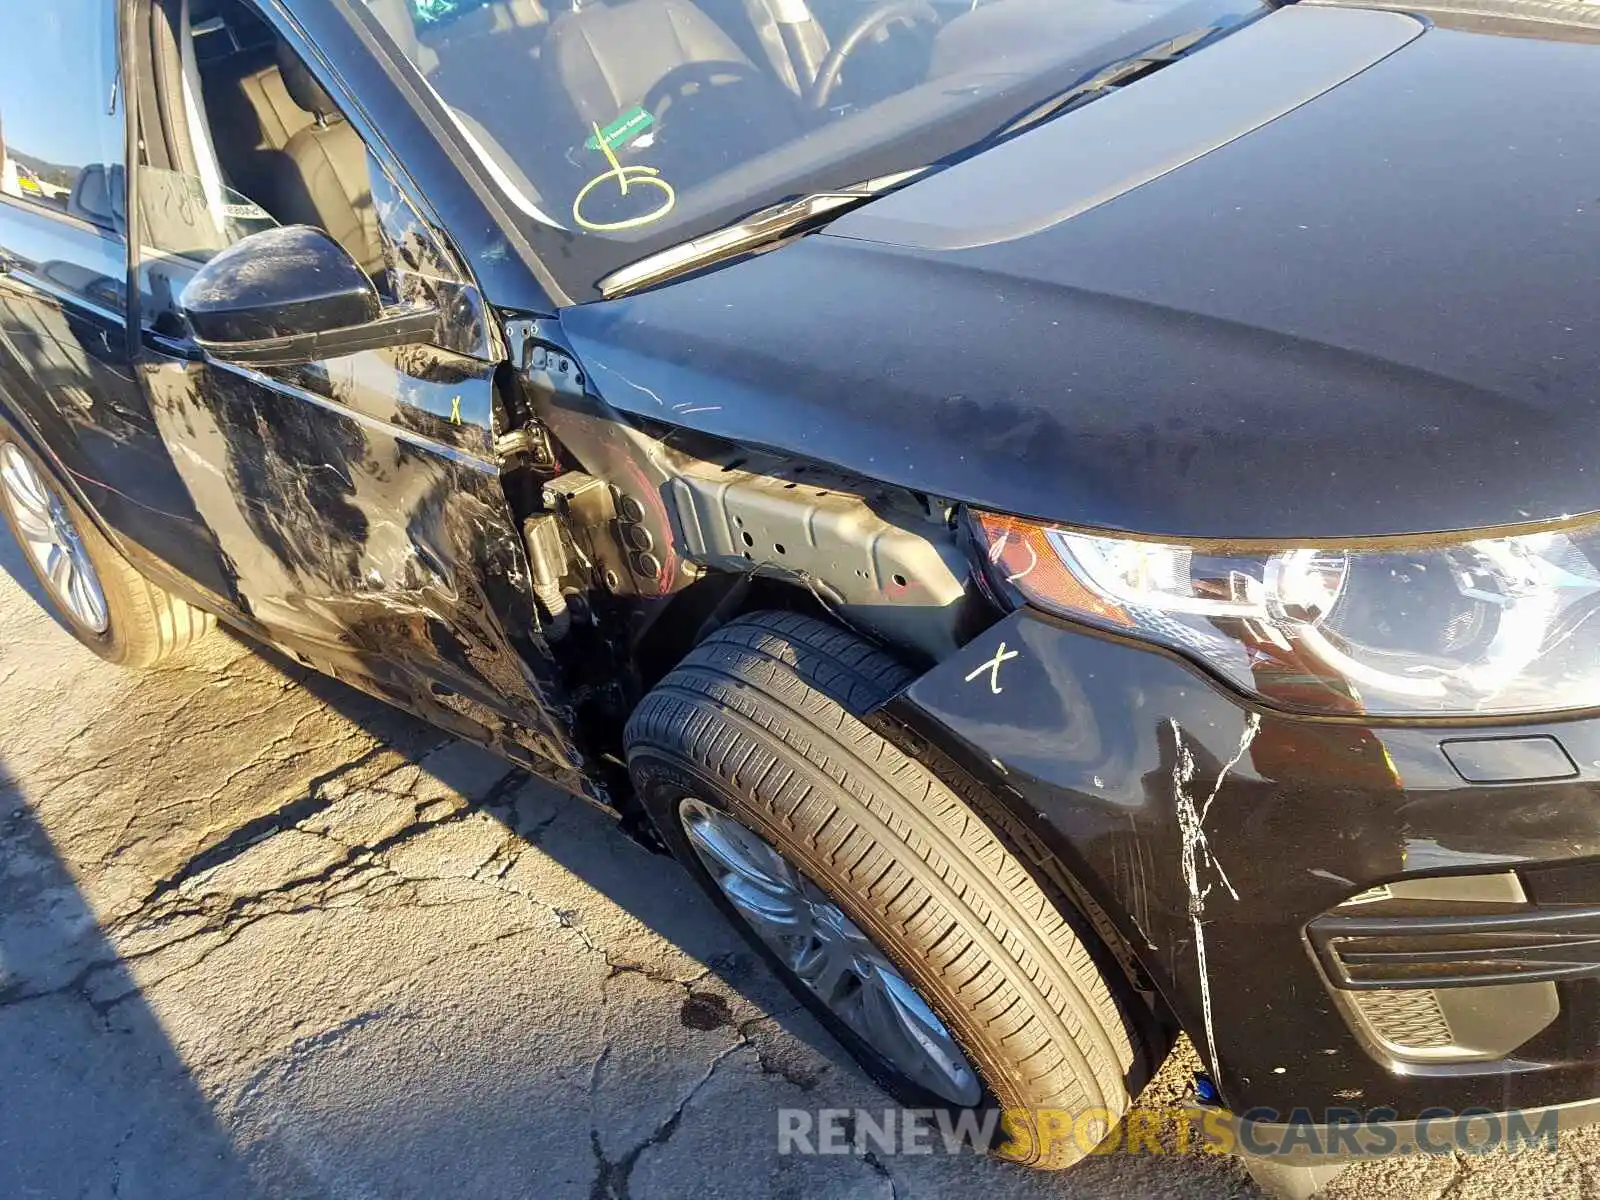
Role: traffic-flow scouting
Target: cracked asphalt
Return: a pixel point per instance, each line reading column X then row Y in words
column 261, row 936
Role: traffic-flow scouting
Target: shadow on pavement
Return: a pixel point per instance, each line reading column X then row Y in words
column 94, row 1101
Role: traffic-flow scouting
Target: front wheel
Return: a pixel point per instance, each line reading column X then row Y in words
column 886, row 904
column 101, row 599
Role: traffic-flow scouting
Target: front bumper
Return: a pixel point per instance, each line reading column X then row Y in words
column 1225, row 841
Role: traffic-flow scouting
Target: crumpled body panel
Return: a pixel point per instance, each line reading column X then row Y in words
column 368, row 532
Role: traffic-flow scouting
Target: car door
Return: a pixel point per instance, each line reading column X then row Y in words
column 358, row 499
column 66, row 381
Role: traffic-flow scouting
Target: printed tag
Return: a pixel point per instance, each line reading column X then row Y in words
column 625, row 129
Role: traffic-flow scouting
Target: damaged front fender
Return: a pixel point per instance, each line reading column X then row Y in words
column 1213, row 832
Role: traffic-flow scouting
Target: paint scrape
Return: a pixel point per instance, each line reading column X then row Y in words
column 1197, row 854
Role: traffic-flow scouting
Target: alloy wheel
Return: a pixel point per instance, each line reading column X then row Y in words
column 834, row 959
column 50, row 538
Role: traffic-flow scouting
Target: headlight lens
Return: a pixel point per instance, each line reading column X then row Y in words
column 1482, row 626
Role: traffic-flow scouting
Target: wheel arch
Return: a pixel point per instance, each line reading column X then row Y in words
column 1057, row 873
column 692, row 614
column 19, row 428
column 720, row 598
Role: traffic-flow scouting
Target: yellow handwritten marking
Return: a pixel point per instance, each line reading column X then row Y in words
column 624, row 176
column 455, row 410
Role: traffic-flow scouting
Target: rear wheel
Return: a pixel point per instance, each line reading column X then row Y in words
column 101, row 599
column 883, row 900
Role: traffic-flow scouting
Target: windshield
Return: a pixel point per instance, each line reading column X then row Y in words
column 616, row 128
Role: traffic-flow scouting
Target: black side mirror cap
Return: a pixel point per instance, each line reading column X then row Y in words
column 293, row 295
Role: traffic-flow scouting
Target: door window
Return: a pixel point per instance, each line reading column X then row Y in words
column 61, row 122
column 264, row 143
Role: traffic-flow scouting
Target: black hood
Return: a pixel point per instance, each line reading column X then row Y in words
column 1348, row 285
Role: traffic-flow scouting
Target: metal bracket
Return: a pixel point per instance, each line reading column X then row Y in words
column 882, row 560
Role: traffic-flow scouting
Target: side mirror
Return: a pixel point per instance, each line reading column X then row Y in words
column 293, row 295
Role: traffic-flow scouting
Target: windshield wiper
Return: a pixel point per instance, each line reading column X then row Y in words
column 1107, row 78
column 765, row 225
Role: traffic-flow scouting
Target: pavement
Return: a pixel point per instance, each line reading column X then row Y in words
column 262, row 936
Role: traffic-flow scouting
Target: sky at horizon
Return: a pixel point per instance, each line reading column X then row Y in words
column 57, row 64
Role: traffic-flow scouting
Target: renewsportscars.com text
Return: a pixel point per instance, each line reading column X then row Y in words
column 1023, row 1134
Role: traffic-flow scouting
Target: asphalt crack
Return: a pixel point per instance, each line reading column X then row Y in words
column 317, row 799
column 182, row 919
column 870, row 1157
column 359, row 869
column 302, row 1049
column 612, row 1179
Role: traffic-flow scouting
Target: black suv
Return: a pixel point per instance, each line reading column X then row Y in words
column 1066, row 516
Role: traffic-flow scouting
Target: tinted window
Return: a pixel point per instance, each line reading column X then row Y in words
column 619, row 129
column 60, row 120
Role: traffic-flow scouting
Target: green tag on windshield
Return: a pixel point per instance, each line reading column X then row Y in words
column 623, row 130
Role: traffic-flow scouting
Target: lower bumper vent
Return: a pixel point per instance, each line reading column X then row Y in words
column 1451, row 969
column 1407, row 1021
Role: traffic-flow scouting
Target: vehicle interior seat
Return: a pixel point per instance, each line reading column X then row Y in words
column 245, row 95
column 602, row 60
column 327, row 182
column 791, row 38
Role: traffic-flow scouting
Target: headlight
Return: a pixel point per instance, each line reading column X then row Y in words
column 1483, row 626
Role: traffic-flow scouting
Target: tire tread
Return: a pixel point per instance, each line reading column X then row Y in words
column 992, row 940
